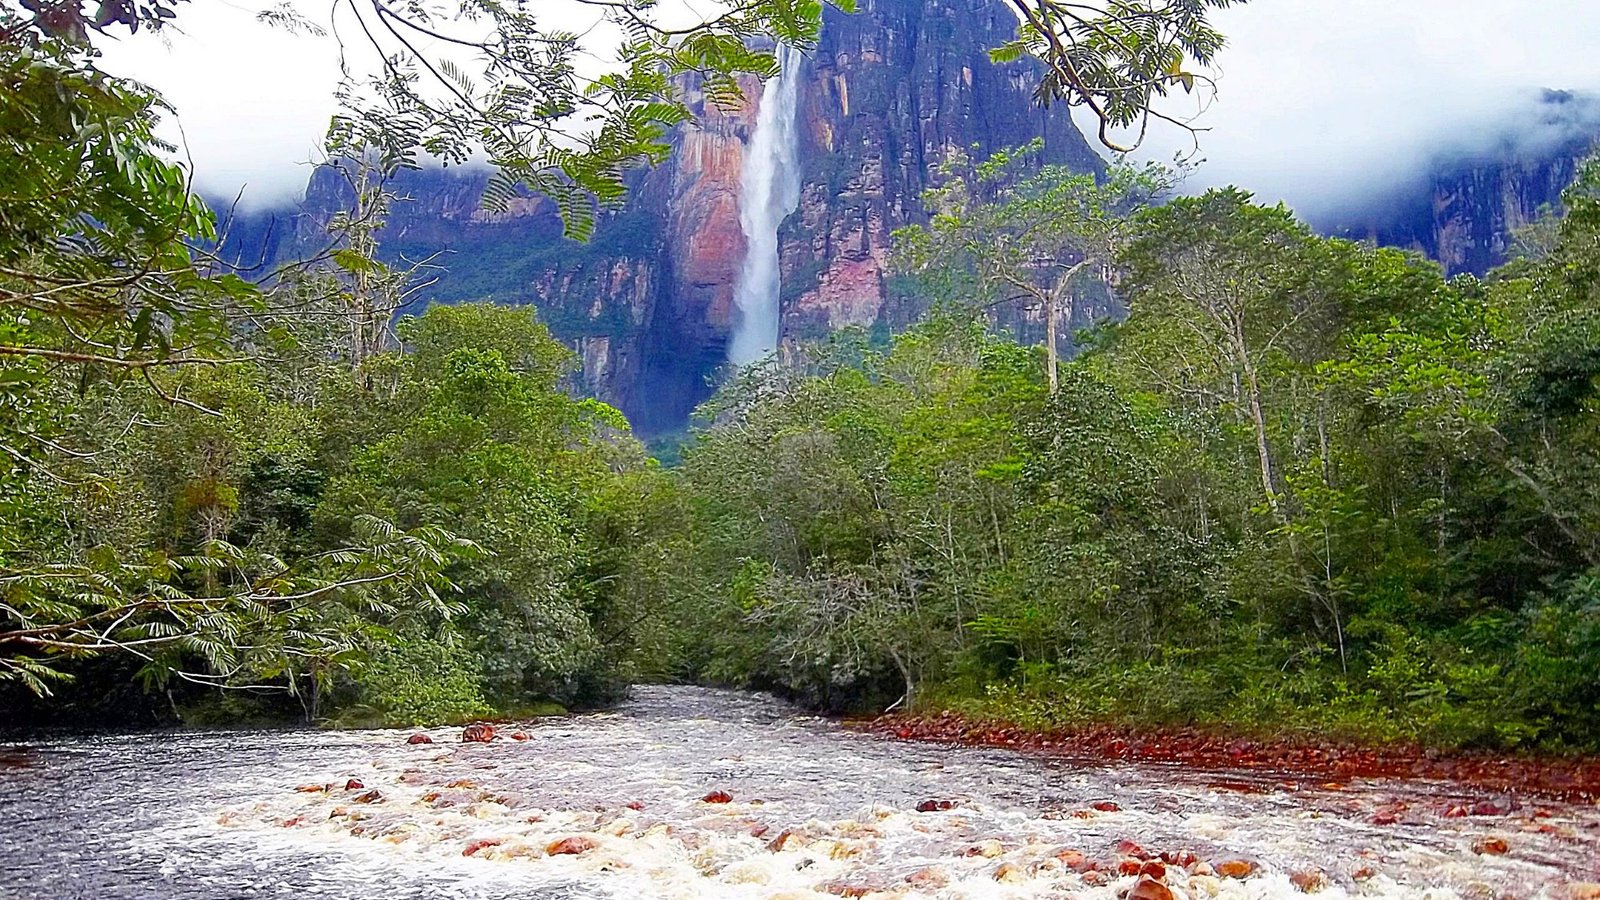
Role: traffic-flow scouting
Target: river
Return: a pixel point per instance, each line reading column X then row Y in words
column 816, row 811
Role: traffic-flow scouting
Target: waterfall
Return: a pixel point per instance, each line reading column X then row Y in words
column 769, row 190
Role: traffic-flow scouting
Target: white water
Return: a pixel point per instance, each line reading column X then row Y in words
column 206, row 816
column 769, row 191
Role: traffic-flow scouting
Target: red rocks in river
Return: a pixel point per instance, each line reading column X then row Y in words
column 634, row 805
column 419, row 738
column 1235, row 868
column 1105, row 806
column 1075, row 860
column 935, row 805
column 519, row 735
column 369, row 797
column 353, row 785
column 1499, row 807
column 571, row 846
column 480, row 844
column 1150, row 889
column 311, row 788
column 1129, row 848
column 1129, row 866
column 1183, row 859
column 477, row 733
column 1491, row 846
column 718, row 797
column 1153, row 869
column 1309, row 881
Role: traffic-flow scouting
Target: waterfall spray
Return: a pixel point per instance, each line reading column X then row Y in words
column 769, row 191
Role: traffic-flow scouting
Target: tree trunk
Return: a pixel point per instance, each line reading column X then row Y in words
column 1052, row 309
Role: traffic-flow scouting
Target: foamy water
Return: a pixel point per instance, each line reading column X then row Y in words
column 817, row 811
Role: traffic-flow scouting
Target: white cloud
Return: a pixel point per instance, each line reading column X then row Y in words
column 1327, row 103
column 1321, row 101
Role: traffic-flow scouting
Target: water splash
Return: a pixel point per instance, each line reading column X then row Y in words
column 769, row 192
column 816, row 812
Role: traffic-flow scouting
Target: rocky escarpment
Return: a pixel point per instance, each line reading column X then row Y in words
column 648, row 304
column 1465, row 211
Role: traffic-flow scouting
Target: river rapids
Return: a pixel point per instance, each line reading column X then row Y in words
column 612, row 805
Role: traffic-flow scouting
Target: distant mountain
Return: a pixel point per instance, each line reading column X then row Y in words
column 648, row 304
column 1464, row 211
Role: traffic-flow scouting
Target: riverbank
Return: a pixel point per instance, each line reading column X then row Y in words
column 1269, row 764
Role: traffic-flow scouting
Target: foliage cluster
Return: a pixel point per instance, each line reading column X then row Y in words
column 1305, row 484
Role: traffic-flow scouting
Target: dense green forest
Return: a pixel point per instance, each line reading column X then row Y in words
column 1305, row 483
column 1302, row 483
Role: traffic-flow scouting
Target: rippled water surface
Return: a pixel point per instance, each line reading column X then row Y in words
column 817, row 811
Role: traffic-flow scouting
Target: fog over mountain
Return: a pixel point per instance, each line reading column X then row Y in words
column 1324, row 105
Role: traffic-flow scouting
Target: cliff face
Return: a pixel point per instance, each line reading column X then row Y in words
column 1465, row 211
column 648, row 304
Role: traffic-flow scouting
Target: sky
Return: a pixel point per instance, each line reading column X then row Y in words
column 1320, row 103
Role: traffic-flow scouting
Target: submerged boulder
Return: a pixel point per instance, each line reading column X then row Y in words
column 477, row 733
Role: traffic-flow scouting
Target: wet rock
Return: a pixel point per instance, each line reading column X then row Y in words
column 1010, row 873
column 353, row 784
column 1129, row 848
column 1234, row 868
column 1309, row 881
column 987, row 849
column 419, row 738
column 1456, row 812
column 785, row 841
column 311, row 788
column 482, row 843
column 1150, row 889
column 1364, row 873
column 1105, row 806
column 1096, row 878
column 1183, row 859
column 477, row 733
column 1385, row 818
column 372, row 796
column 1491, row 846
column 1499, row 806
column 634, row 805
column 1129, row 866
column 464, row 783
column 931, row 878
column 717, row 797
column 571, row 846
column 934, row 806
column 1578, row 890
column 519, row 735
column 840, row 889
column 1075, row 860
column 1153, row 869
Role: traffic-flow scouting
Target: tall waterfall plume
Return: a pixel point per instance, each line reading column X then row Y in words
column 769, row 191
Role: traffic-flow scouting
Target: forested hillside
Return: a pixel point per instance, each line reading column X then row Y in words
column 1303, row 483
column 1306, row 484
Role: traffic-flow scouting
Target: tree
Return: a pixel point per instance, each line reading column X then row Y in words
column 1043, row 238
column 1117, row 58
